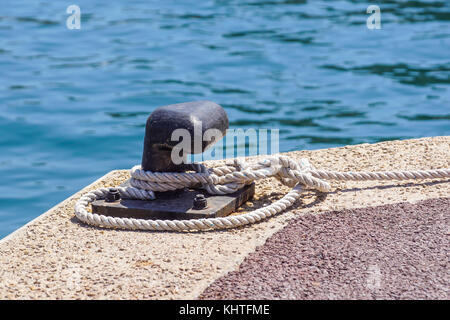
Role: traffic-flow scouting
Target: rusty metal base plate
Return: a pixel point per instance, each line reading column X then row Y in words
column 175, row 205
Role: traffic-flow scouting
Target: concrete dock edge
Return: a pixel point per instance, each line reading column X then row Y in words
column 56, row 257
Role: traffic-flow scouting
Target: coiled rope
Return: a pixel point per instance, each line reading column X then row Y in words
column 228, row 179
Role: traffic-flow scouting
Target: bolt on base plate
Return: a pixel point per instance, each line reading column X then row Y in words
column 176, row 205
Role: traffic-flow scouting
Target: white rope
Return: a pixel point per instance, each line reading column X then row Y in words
column 228, row 179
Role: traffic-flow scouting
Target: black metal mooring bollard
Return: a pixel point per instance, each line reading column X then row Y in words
column 196, row 117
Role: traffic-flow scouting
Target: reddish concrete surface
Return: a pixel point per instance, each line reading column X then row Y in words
column 396, row 251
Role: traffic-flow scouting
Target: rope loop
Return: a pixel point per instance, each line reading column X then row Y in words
column 228, row 179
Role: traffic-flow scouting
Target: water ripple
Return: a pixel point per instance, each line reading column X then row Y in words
column 404, row 73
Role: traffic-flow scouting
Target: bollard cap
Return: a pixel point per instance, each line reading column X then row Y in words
column 195, row 117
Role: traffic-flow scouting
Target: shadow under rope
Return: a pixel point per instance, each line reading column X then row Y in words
column 390, row 186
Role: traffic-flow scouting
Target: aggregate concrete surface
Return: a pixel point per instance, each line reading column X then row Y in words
column 396, row 251
column 57, row 257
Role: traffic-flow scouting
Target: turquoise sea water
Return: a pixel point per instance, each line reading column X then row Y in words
column 73, row 103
